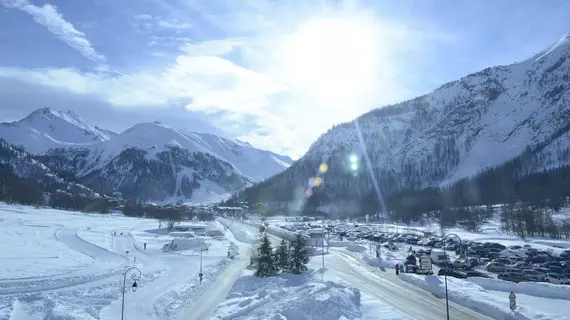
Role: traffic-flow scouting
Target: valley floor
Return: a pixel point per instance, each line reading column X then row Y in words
column 64, row 265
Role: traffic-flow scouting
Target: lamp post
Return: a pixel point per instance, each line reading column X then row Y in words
column 135, row 276
column 323, row 244
column 445, row 273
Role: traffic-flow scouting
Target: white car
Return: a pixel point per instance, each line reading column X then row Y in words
column 461, row 264
column 556, row 279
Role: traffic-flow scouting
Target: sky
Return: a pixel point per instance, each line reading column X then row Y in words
column 276, row 74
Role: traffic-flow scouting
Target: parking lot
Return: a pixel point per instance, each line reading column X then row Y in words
column 515, row 263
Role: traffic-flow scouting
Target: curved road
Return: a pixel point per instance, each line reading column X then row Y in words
column 209, row 301
column 387, row 287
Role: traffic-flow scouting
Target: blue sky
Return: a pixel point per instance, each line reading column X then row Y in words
column 274, row 73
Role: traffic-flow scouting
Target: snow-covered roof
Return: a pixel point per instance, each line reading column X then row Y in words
column 191, row 225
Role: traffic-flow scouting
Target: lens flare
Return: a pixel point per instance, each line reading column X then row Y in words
column 323, row 168
column 318, row 181
column 311, row 182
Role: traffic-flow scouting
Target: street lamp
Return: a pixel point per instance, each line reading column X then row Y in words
column 135, row 276
column 445, row 273
column 323, row 244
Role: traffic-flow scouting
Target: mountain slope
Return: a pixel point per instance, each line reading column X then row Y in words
column 47, row 128
column 147, row 162
column 169, row 174
column 457, row 131
column 154, row 137
column 153, row 162
column 22, row 165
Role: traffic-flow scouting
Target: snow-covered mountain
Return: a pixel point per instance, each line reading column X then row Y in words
column 460, row 129
column 147, row 162
column 22, row 165
column 47, row 128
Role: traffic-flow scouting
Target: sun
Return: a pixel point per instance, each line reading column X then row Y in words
column 332, row 58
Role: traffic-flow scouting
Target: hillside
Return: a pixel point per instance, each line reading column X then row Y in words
column 24, row 179
column 147, row 162
column 461, row 129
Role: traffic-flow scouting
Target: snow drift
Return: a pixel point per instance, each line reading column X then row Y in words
column 290, row 297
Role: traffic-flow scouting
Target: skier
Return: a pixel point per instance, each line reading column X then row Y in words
column 144, row 245
column 397, row 267
column 200, row 275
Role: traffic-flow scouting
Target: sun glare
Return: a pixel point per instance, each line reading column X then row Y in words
column 332, row 58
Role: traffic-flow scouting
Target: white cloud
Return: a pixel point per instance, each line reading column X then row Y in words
column 173, row 24
column 274, row 98
column 212, row 47
column 48, row 16
column 149, row 22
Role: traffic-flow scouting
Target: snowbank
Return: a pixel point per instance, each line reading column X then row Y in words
column 241, row 232
column 388, row 259
column 288, row 296
column 473, row 296
column 178, row 300
column 537, row 289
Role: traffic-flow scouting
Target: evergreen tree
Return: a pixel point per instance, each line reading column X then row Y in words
column 282, row 256
column 265, row 261
column 299, row 256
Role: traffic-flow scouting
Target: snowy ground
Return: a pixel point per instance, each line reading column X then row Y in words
column 297, row 297
column 64, row 265
column 494, row 301
column 488, row 296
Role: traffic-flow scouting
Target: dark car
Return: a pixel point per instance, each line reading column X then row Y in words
column 513, row 277
column 472, row 274
column 451, row 273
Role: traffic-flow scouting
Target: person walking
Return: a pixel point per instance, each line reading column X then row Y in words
column 397, row 267
column 144, row 245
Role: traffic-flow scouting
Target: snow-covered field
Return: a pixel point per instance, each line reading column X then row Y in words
column 67, row 265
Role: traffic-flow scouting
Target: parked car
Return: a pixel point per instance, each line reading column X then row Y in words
column 555, row 269
column 495, row 267
column 533, row 275
column 451, row 273
column 556, row 279
column 472, row 274
column 522, row 265
column 461, row 264
column 513, row 277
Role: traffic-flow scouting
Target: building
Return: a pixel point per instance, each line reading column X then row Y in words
column 197, row 229
column 230, row 211
column 316, row 237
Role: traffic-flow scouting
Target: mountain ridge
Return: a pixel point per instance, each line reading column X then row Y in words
column 173, row 162
column 457, row 131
